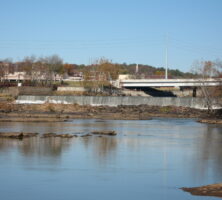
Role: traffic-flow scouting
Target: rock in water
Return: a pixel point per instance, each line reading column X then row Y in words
column 112, row 133
column 53, row 135
column 207, row 190
column 18, row 135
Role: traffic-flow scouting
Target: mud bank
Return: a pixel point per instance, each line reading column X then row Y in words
column 17, row 135
column 211, row 121
column 22, row 118
column 21, row 135
column 62, row 112
column 207, row 190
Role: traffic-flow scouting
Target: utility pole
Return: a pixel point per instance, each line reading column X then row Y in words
column 137, row 68
column 166, row 58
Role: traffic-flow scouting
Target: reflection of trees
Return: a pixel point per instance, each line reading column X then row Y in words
column 51, row 147
column 102, row 147
column 209, row 153
column 41, row 147
column 7, row 144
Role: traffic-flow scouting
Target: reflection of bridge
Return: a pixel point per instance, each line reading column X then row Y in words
column 169, row 82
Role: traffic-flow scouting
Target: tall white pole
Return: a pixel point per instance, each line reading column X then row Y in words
column 166, row 58
column 137, row 68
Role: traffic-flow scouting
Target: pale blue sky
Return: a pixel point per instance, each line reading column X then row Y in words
column 131, row 31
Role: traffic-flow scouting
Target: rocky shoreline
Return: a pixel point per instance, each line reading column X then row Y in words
column 21, row 118
column 10, row 112
column 17, row 135
column 21, row 135
column 207, row 190
column 211, row 121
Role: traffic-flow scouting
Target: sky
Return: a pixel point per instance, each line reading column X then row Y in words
column 124, row 31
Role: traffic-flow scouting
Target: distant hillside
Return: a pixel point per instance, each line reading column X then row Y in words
column 144, row 71
column 53, row 65
column 150, row 71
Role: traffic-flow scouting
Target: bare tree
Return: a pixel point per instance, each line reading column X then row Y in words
column 5, row 68
column 29, row 66
column 2, row 71
column 55, row 66
column 101, row 73
column 207, row 70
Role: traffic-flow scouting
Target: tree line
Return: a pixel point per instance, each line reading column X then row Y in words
column 50, row 68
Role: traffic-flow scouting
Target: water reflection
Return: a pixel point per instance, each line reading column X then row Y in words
column 51, row 148
column 208, row 153
column 205, row 139
column 103, row 148
column 31, row 148
column 147, row 159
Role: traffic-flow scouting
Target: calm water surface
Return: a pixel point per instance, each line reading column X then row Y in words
column 147, row 160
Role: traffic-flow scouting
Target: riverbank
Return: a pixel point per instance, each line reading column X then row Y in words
column 207, row 190
column 61, row 112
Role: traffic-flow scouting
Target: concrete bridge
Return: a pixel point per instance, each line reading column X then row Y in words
column 127, row 83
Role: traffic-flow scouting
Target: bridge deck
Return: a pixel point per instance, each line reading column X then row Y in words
column 170, row 82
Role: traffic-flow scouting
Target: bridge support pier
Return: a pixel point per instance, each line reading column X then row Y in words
column 194, row 92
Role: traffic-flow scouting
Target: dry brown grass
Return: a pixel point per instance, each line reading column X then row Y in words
column 6, row 97
column 6, row 107
column 49, row 107
column 68, row 93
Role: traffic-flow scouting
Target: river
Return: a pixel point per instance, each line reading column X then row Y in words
column 148, row 159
